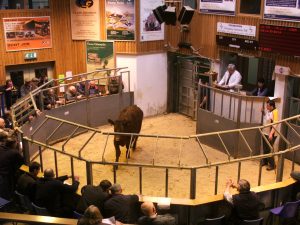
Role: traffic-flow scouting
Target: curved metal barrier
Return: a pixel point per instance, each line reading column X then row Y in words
column 31, row 139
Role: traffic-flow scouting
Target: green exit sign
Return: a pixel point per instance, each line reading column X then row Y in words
column 30, row 55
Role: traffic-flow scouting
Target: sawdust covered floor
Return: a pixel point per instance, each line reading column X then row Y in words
column 162, row 152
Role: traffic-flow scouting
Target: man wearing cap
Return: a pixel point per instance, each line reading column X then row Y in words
column 122, row 207
column 26, row 87
column 231, row 78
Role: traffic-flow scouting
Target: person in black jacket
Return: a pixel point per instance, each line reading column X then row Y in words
column 93, row 195
column 50, row 193
column 245, row 204
column 152, row 218
column 26, row 182
column 10, row 161
column 122, row 207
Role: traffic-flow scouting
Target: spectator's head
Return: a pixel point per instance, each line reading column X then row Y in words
column 72, row 89
column 243, row 186
column 270, row 105
column 231, row 68
column 148, row 209
column 261, row 82
column 2, row 123
column 105, row 185
column 27, row 82
column 51, row 92
column 9, row 83
column 83, row 79
column 92, row 215
column 34, row 168
column 49, row 173
column 35, row 80
column 11, row 141
column 92, row 84
column 116, row 189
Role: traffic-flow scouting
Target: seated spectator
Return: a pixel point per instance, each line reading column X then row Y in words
column 51, row 100
column 11, row 94
column 151, row 217
column 93, row 88
column 8, row 120
column 92, row 216
column 261, row 89
column 81, row 86
column 245, row 204
column 35, row 82
column 72, row 94
column 122, row 207
column 50, row 193
column 93, row 195
column 113, row 85
column 26, row 87
column 26, row 182
column 10, row 161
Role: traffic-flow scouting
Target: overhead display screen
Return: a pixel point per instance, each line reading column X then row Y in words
column 279, row 39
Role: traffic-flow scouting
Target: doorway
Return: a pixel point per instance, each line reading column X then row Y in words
column 19, row 73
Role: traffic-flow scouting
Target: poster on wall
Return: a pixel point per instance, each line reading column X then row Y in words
column 120, row 19
column 100, row 55
column 220, row 7
column 85, row 19
column 288, row 10
column 23, row 33
column 151, row 29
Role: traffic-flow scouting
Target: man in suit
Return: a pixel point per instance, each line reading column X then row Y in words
column 152, row 218
column 26, row 182
column 51, row 192
column 93, row 195
column 122, row 207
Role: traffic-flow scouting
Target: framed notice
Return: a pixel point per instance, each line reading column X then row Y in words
column 219, row 7
column 120, row 19
column 24, row 33
column 151, row 29
column 288, row 10
column 100, row 55
column 85, row 19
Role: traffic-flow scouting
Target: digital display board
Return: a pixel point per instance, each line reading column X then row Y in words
column 279, row 39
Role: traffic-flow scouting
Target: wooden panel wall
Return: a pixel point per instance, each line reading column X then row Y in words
column 70, row 55
column 203, row 31
column 66, row 53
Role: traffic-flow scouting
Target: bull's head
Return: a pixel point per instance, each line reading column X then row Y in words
column 120, row 126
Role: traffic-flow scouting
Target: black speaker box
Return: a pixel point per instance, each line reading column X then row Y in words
column 186, row 15
column 170, row 15
column 159, row 13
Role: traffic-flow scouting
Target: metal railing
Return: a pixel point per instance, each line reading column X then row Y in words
column 33, row 103
column 193, row 171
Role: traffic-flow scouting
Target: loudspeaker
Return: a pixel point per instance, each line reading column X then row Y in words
column 186, row 15
column 170, row 15
column 159, row 13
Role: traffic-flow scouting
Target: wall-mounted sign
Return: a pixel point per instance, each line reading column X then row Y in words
column 220, row 7
column 238, row 29
column 282, row 10
column 238, row 43
column 120, row 19
column 85, row 20
column 30, row 55
column 23, row 33
column 151, row 29
column 100, row 55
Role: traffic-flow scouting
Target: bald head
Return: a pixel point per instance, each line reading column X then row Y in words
column 72, row 89
column 148, row 209
column 49, row 173
column 2, row 123
column 93, row 213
